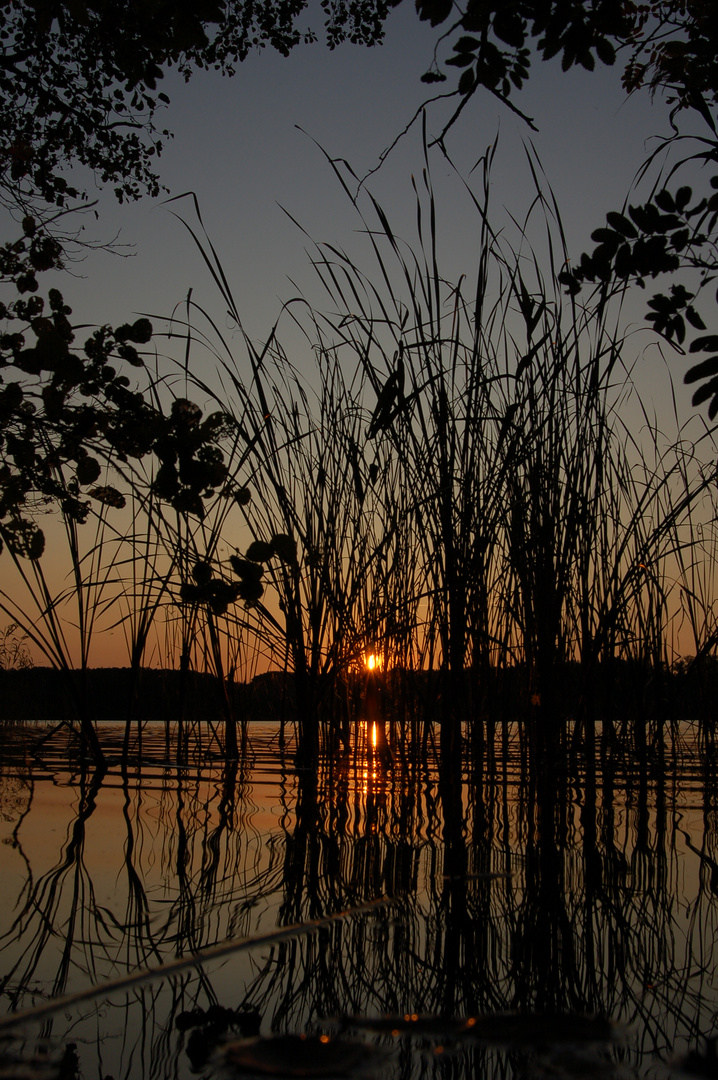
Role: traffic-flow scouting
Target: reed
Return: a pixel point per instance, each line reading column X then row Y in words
column 453, row 483
column 61, row 619
column 444, row 470
column 543, row 525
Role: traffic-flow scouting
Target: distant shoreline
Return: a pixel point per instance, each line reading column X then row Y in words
column 45, row 695
column 114, row 695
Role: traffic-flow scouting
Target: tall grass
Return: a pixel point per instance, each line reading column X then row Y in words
column 60, row 619
column 542, row 523
column 443, row 476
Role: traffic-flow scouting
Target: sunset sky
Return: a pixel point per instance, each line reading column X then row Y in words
column 238, row 146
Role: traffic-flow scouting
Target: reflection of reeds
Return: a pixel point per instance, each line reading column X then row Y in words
column 549, row 914
column 587, row 893
column 58, row 913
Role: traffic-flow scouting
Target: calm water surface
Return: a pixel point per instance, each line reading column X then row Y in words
column 567, row 895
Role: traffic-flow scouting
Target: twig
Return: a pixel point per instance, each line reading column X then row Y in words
column 148, row 975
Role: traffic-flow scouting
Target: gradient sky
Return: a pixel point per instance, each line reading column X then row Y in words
column 238, row 147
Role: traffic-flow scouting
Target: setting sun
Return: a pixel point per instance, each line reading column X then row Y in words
column 372, row 662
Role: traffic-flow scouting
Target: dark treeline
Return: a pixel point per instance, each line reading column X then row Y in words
column 40, row 693
column 638, row 711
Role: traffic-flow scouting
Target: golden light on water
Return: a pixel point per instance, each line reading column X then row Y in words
column 370, row 773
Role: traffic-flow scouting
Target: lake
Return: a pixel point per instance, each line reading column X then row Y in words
column 561, row 924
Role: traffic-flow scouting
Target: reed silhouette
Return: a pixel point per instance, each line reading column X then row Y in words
column 460, row 474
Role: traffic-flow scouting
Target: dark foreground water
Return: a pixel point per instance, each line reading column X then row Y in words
column 564, row 927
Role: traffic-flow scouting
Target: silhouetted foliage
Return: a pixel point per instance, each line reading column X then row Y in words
column 671, row 49
column 79, row 81
column 671, row 232
column 67, row 412
column 79, row 86
column 671, row 45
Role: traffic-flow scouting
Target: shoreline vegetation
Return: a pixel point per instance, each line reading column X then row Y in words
column 635, row 709
column 458, row 477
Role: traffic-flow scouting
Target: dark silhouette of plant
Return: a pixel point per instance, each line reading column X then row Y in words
column 79, row 81
column 65, row 412
column 669, row 48
column 14, row 652
column 322, row 545
column 59, row 404
column 75, row 437
column 672, row 232
column 78, row 84
column 456, row 485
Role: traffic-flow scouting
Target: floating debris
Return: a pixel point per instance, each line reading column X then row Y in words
column 206, row 1029
column 302, row 1055
column 696, row 1064
column 41, row 1067
column 220, row 1019
column 535, row 1030
column 418, row 1025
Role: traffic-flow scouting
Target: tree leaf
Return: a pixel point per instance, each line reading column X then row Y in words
column 259, row 551
column 621, row 224
column 88, row 470
column 109, row 495
column 285, row 548
column 467, row 82
column 706, row 391
column 24, row 538
column 704, row 370
column 694, row 318
column 705, row 344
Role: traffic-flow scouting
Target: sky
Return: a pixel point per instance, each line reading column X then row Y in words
column 249, row 149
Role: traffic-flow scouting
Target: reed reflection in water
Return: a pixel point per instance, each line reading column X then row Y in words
column 581, row 891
